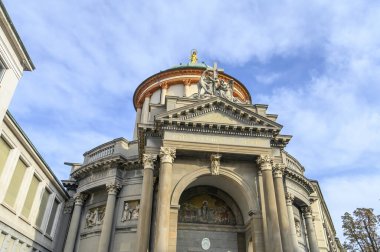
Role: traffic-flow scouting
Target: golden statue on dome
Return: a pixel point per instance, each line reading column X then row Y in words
column 193, row 57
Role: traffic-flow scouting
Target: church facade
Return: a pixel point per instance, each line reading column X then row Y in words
column 207, row 170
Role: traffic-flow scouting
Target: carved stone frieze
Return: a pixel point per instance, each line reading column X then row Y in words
column 297, row 224
column 215, row 163
column 94, row 216
column 167, row 154
column 148, row 160
column 131, row 210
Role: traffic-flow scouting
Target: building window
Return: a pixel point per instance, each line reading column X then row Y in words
column 15, row 184
column 30, row 197
column 4, row 153
column 41, row 211
column 53, row 214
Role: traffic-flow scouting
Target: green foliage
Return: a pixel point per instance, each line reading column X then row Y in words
column 361, row 230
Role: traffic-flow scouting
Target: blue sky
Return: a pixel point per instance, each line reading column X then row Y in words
column 315, row 63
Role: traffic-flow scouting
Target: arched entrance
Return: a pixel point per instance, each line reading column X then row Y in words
column 209, row 220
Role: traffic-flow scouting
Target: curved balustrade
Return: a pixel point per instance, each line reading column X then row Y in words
column 293, row 164
column 117, row 146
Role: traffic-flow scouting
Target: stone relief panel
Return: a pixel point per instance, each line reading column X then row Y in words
column 94, row 216
column 130, row 211
column 206, row 209
column 298, row 228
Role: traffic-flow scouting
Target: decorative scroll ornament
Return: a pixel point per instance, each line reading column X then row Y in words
column 148, row 161
column 167, row 154
column 278, row 170
column 131, row 211
column 264, row 162
column 95, row 216
column 215, row 163
column 113, row 188
column 80, row 198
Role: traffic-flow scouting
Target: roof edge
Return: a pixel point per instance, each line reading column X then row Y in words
column 19, row 47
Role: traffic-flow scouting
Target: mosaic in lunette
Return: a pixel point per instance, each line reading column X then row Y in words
column 206, row 209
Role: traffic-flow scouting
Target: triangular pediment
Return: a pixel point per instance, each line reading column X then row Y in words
column 217, row 112
column 217, row 117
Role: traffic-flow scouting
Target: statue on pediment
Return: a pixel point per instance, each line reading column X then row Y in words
column 206, row 84
column 210, row 85
column 225, row 90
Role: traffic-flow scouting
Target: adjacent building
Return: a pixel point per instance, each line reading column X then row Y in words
column 32, row 199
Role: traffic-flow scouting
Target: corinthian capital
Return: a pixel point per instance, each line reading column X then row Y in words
column 289, row 199
column 167, row 154
column 278, row 170
column 306, row 211
column 264, row 162
column 148, row 161
column 80, row 198
column 113, row 188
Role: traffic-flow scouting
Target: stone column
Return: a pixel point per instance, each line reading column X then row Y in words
column 274, row 235
column 167, row 156
column 137, row 121
column 283, row 217
column 164, row 90
column 311, row 236
column 143, row 226
column 104, row 241
column 187, row 84
column 74, row 224
column 145, row 109
column 292, row 224
column 263, row 210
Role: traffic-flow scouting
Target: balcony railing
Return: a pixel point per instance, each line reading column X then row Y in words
column 115, row 147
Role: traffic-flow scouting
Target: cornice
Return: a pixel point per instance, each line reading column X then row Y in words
column 299, row 179
column 250, row 123
column 114, row 161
